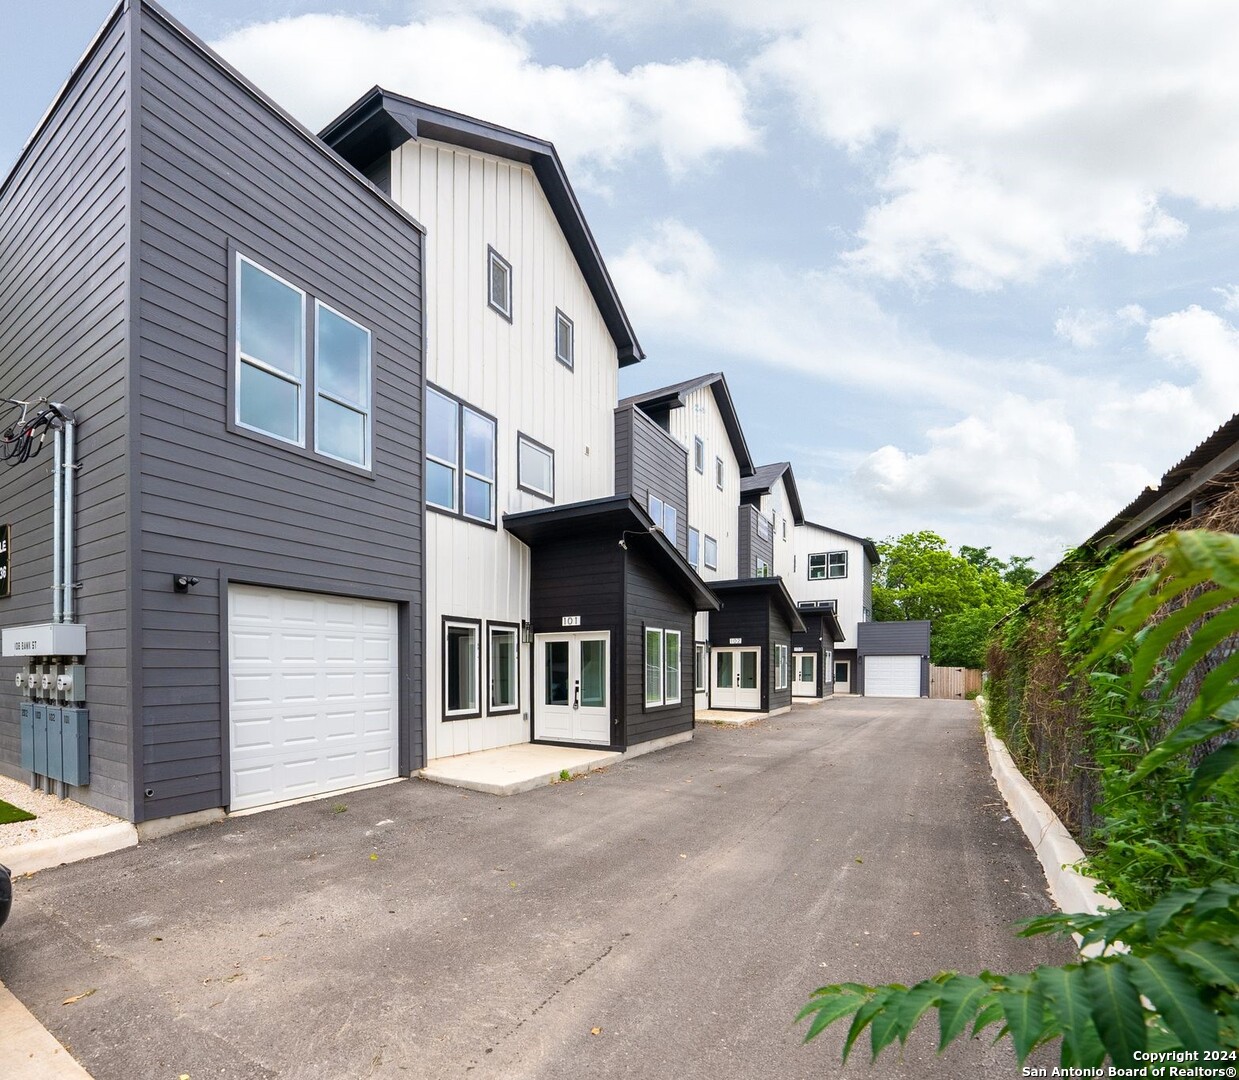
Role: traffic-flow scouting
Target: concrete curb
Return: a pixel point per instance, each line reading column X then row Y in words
column 1071, row 890
column 644, row 748
column 29, row 1050
column 57, row 850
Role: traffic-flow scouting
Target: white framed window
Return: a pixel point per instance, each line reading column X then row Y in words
column 499, row 283
column 270, row 354
column 503, row 652
column 461, row 667
column 535, row 467
column 653, row 667
column 670, row 521
column 711, row 553
column 701, row 668
column 718, row 473
column 655, row 507
column 694, row 548
column 671, row 667
column 460, row 457
column 699, row 454
column 780, row 667
column 341, row 387
column 762, row 568
column 837, row 564
column 565, row 340
column 827, row 659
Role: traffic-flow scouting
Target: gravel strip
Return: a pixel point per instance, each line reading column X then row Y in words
column 53, row 816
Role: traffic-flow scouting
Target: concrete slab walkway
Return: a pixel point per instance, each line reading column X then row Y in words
column 508, row 770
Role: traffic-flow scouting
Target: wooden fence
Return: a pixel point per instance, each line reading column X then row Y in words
column 953, row 682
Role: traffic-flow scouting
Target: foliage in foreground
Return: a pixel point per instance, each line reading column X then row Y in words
column 1181, row 955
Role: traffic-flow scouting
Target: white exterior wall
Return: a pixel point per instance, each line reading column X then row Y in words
column 468, row 201
column 851, row 593
column 778, row 504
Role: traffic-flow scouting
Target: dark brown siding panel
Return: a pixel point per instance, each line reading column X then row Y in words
column 222, row 172
column 64, row 213
column 651, row 603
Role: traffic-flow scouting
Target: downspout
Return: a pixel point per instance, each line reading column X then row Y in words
column 70, row 466
column 57, row 527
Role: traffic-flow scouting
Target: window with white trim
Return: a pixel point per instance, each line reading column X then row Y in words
column 694, row 548
column 761, row 567
column 460, row 457
column 499, row 283
column 461, row 664
column 341, row 387
column 711, row 553
column 502, row 658
column 701, row 668
column 654, row 505
column 718, row 473
column 535, row 467
column 670, row 521
column 699, row 454
column 663, row 667
column 270, row 391
column 565, row 340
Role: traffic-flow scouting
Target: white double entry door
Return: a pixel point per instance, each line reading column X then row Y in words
column 737, row 679
column 572, row 683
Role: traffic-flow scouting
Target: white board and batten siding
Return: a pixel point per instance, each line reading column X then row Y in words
column 468, row 202
column 850, row 593
column 313, row 694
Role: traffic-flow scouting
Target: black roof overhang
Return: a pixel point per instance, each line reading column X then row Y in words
column 622, row 515
column 381, row 121
column 772, row 587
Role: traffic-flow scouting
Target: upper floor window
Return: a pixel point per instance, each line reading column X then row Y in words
column 762, row 567
column 564, row 340
column 711, row 553
column 272, row 360
column 718, row 473
column 499, row 283
column 694, row 547
column 785, row 528
column 832, row 564
column 763, row 527
column 699, row 454
column 270, row 354
column 341, row 387
column 664, row 515
column 460, row 457
column 535, row 467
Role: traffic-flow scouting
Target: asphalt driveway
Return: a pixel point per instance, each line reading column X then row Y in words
column 665, row 918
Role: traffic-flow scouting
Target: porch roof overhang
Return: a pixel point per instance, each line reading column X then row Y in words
column 632, row 528
column 775, row 591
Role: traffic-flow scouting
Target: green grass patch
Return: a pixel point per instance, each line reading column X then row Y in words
column 10, row 813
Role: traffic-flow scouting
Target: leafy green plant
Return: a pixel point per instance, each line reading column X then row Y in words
column 1166, row 977
column 564, row 774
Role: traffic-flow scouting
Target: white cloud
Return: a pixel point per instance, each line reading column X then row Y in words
column 1082, row 328
column 599, row 116
column 1010, row 139
column 1230, row 296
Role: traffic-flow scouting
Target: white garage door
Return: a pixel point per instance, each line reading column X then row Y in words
column 892, row 676
column 312, row 693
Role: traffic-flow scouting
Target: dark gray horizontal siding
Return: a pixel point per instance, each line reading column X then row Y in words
column 750, row 545
column 648, row 460
column 220, row 172
column 780, row 634
column 64, row 246
column 650, row 602
column 893, row 638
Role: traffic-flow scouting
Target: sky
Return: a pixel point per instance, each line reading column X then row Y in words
column 968, row 266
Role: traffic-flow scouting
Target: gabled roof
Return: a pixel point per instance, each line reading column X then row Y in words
column 674, row 397
column 870, row 548
column 633, row 528
column 380, row 121
column 774, row 589
column 766, row 476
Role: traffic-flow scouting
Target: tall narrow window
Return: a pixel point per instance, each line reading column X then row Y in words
column 503, row 668
column 699, row 454
column 701, row 662
column 671, row 666
column 762, row 567
column 711, row 553
column 535, row 467
column 499, row 283
column 460, row 457
column 460, row 668
column 565, row 345
column 670, row 521
column 341, row 387
column 442, row 450
column 694, row 548
column 479, row 444
column 270, row 354
column 653, row 667
column 718, row 473
column 655, row 507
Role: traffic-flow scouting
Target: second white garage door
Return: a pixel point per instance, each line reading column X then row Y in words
column 312, row 694
column 892, row 676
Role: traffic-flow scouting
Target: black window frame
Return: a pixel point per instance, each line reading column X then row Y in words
column 470, row 714
column 570, row 360
column 502, row 710
column 830, row 566
column 699, row 454
column 459, row 512
column 718, row 473
column 492, row 258
column 706, row 541
column 520, row 482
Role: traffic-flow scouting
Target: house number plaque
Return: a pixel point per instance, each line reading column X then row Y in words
column 572, row 620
